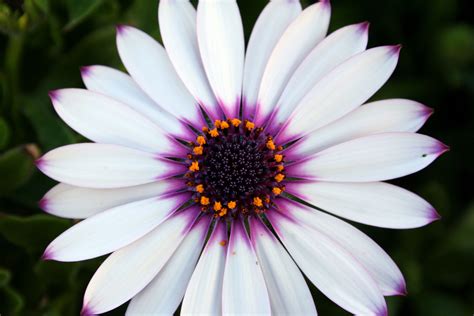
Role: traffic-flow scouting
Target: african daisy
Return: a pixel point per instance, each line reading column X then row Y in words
column 213, row 171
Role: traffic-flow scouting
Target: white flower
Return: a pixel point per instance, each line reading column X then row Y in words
column 254, row 149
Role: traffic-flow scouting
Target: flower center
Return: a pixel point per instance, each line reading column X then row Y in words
column 234, row 168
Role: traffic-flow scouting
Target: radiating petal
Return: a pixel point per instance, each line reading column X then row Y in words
column 342, row 90
column 149, row 65
column 376, row 157
column 204, row 293
column 375, row 260
column 128, row 270
column 69, row 201
column 287, row 289
column 105, row 166
column 373, row 203
column 270, row 25
column 120, row 86
column 244, row 291
column 163, row 295
column 112, row 229
column 328, row 54
column 178, row 29
column 105, row 120
column 333, row 270
column 394, row 115
column 300, row 37
column 221, row 42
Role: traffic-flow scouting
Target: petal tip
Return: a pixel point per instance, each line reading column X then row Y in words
column 364, row 26
column 43, row 204
column 40, row 162
column 86, row 311
column 434, row 215
column 395, row 49
column 402, row 288
column 53, row 95
column 47, row 255
column 121, row 28
column 441, row 148
column 325, row 3
column 86, row 71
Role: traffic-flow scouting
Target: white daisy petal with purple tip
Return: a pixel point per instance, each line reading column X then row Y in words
column 125, row 272
column 221, row 42
column 329, row 53
column 376, row 261
column 372, row 203
column 164, row 294
column 342, row 90
column 376, row 157
column 213, row 170
column 394, row 115
column 70, row 201
column 105, row 166
column 308, row 29
column 149, row 65
column 270, row 25
column 113, row 228
column 333, row 270
column 120, row 86
column 244, row 291
column 178, row 29
column 107, row 121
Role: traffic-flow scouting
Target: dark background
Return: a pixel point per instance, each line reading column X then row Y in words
column 44, row 42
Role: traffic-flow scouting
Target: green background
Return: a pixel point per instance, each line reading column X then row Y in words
column 44, row 42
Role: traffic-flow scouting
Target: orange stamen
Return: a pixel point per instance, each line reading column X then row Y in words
column 279, row 177
column 194, row 166
column 201, row 140
column 271, row 144
column 280, row 167
column 204, row 200
column 224, row 125
column 235, row 122
column 217, row 123
column 249, row 125
column 231, row 205
column 214, row 132
column 276, row 191
column 278, row 158
column 217, row 206
column 257, row 201
column 200, row 188
column 198, row 150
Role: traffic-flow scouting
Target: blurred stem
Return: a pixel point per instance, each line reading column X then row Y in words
column 12, row 66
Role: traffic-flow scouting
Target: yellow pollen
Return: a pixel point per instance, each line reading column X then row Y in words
column 198, row 150
column 204, row 200
column 257, row 201
column 200, row 188
column 249, row 125
column 271, row 144
column 235, row 122
column 279, row 177
column 231, row 205
column 278, row 158
column 201, row 140
column 276, row 191
column 194, row 166
column 280, row 167
column 224, row 125
column 217, row 123
column 214, row 132
column 223, row 212
column 217, row 206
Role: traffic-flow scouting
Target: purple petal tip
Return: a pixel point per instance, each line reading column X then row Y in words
column 395, row 49
column 402, row 289
column 46, row 255
column 434, row 216
column 53, row 94
column 120, row 28
column 85, row 70
column 442, row 148
column 43, row 204
column 86, row 311
column 364, row 26
column 39, row 163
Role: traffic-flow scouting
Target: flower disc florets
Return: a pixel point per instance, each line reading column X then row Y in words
column 234, row 168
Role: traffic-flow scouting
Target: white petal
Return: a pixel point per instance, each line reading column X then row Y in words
column 342, row 90
column 104, row 166
column 270, row 25
column 299, row 39
column 69, row 201
column 373, row 203
column 178, row 29
column 107, row 121
column 120, row 86
column 287, row 289
column 149, row 65
column 128, row 270
column 376, row 157
column 204, row 293
column 112, row 229
column 375, row 260
column 221, row 42
column 330, row 268
column 328, row 54
column 164, row 294
column 244, row 291
column 394, row 115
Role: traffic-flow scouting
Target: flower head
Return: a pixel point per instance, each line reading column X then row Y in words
column 210, row 168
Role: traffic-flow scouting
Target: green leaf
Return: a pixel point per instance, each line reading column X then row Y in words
column 4, row 133
column 16, row 167
column 4, row 277
column 79, row 10
column 32, row 233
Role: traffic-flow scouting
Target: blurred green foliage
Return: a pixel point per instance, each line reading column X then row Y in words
column 44, row 42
